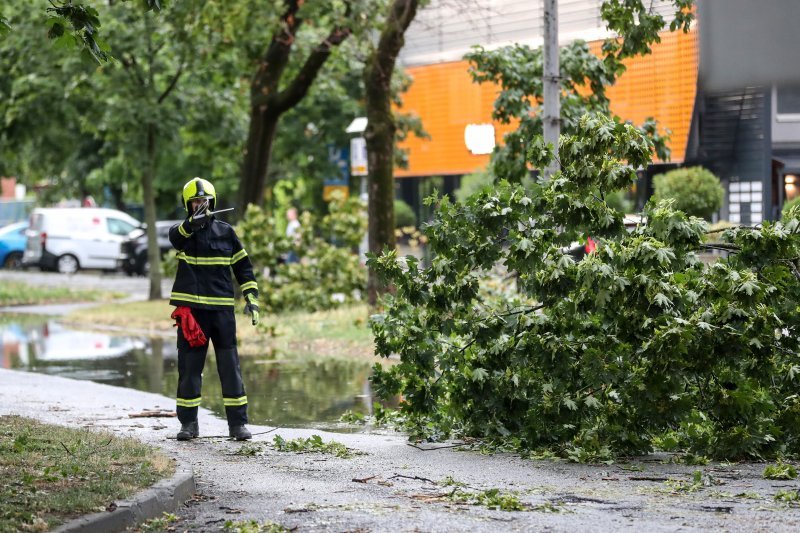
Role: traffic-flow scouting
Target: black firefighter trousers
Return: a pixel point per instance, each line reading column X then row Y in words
column 219, row 327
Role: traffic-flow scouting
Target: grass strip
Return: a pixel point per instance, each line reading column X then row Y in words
column 52, row 473
column 15, row 293
column 337, row 332
column 137, row 316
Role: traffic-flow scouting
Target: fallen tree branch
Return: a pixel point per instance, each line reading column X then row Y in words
column 416, row 478
column 436, row 448
column 153, row 414
column 363, row 480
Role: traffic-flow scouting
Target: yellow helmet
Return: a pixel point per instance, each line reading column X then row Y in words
column 199, row 188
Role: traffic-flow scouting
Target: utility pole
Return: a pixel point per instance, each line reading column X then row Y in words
column 551, row 120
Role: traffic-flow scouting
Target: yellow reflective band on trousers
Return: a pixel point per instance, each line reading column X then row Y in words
column 193, row 298
column 183, row 231
column 238, row 256
column 184, row 402
column 204, row 261
column 233, row 402
column 249, row 285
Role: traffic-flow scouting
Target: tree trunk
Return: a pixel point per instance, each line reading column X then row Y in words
column 263, row 125
column 153, row 251
column 380, row 134
column 268, row 101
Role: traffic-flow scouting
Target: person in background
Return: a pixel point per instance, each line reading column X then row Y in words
column 293, row 233
column 208, row 249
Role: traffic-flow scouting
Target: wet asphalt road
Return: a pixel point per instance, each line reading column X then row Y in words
column 395, row 487
column 137, row 287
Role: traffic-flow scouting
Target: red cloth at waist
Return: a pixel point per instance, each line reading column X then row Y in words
column 191, row 329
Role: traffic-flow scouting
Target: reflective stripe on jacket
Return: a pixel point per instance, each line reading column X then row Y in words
column 205, row 260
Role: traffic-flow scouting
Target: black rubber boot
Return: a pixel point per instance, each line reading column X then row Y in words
column 240, row 433
column 189, row 431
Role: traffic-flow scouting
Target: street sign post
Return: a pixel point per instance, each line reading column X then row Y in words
column 341, row 181
column 358, row 157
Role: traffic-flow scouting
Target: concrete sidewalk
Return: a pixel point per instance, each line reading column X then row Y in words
column 392, row 486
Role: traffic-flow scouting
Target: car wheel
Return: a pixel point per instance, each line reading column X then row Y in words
column 67, row 264
column 142, row 267
column 13, row 261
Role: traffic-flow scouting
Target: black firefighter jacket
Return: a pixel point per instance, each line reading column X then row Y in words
column 205, row 260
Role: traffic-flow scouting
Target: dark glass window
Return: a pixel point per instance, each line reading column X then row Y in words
column 789, row 100
column 119, row 227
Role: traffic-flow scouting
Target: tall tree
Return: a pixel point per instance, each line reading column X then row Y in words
column 87, row 127
column 74, row 23
column 278, row 85
column 154, row 52
column 381, row 130
column 317, row 124
column 41, row 103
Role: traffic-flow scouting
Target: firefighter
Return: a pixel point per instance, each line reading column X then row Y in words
column 208, row 249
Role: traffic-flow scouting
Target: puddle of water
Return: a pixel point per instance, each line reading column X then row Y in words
column 287, row 392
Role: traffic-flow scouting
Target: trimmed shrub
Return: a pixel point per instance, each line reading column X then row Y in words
column 619, row 200
column 696, row 191
column 404, row 216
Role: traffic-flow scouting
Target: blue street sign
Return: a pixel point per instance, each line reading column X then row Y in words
column 341, row 158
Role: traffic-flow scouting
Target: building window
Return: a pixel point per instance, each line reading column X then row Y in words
column 790, row 185
column 788, row 105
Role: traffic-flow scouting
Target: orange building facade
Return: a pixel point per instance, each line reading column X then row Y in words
column 661, row 85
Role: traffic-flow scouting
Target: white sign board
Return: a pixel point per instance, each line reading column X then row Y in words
column 479, row 138
column 358, row 157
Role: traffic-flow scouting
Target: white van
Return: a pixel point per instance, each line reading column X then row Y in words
column 68, row 239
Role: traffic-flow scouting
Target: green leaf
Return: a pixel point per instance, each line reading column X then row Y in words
column 662, row 300
column 592, row 402
column 5, row 28
column 780, row 471
column 479, row 374
column 748, row 287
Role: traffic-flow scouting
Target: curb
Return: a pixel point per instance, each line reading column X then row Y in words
column 164, row 496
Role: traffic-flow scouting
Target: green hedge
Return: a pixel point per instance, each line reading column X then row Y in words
column 696, row 191
column 404, row 216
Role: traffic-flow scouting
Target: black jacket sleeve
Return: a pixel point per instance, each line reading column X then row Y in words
column 178, row 235
column 242, row 268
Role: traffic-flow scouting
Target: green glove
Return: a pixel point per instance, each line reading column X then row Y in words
column 251, row 307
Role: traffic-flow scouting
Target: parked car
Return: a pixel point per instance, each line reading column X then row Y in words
column 12, row 244
column 68, row 239
column 134, row 248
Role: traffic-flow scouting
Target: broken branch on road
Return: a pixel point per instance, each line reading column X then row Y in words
column 155, row 413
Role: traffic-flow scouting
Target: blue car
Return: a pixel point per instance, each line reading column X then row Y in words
column 12, row 244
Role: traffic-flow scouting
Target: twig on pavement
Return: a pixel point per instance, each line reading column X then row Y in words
column 436, row 448
column 363, row 480
column 396, row 476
